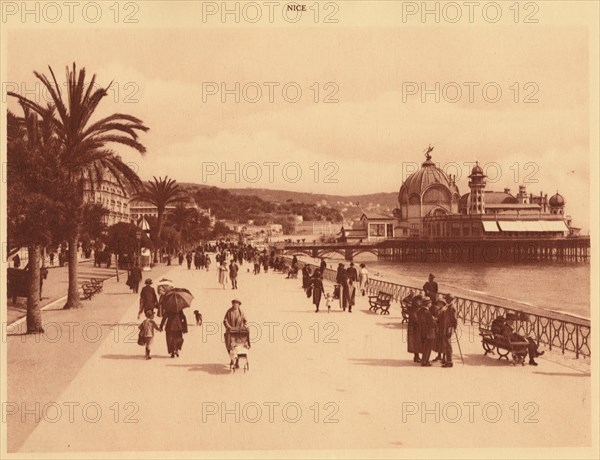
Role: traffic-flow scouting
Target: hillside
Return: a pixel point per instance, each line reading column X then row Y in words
column 382, row 202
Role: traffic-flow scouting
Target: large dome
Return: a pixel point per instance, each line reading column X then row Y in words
column 428, row 175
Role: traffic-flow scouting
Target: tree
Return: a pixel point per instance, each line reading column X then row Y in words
column 93, row 226
column 82, row 156
column 220, row 230
column 160, row 193
column 30, row 208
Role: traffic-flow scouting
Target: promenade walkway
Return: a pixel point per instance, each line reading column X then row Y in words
column 316, row 381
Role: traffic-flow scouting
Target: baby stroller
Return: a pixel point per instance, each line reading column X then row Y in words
column 237, row 343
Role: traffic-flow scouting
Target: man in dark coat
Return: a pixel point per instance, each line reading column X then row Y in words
column 135, row 278
column 352, row 278
column 509, row 333
column 414, row 341
column 446, row 326
column 323, row 266
column 317, row 289
column 148, row 299
column 342, row 279
column 427, row 328
column 431, row 288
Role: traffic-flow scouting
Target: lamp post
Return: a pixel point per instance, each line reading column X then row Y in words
column 138, row 236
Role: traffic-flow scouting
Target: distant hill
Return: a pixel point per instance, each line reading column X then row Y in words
column 346, row 204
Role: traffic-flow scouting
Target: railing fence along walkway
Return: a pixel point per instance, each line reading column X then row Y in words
column 572, row 336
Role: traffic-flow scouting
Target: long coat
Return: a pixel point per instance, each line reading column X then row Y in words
column 446, row 324
column 176, row 326
column 317, row 286
column 414, row 342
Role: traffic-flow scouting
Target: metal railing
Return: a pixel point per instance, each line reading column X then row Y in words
column 572, row 336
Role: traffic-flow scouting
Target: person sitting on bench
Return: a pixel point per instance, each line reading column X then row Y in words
column 509, row 333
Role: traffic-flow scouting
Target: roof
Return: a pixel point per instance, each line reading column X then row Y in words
column 376, row 216
column 491, row 198
column 512, row 205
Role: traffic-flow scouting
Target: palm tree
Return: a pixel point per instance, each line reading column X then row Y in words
column 83, row 156
column 183, row 218
column 30, row 210
column 160, row 193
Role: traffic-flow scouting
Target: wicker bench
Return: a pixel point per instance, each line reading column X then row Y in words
column 504, row 346
column 97, row 284
column 88, row 291
column 381, row 302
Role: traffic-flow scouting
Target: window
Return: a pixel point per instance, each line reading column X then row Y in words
column 390, row 230
column 377, row 230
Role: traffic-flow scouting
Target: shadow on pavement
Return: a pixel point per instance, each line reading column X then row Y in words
column 565, row 374
column 139, row 356
column 384, row 362
column 209, row 368
column 392, row 325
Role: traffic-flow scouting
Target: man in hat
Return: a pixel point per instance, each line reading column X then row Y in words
column 135, row 277
column 148, row 299
column 414, row 342
column 446, row 326
column 431, row 288
column 509, row 333
column 342, row 279
column 427, row 328
column 351, row 279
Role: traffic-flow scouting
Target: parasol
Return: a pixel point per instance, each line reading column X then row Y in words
column 176, row 299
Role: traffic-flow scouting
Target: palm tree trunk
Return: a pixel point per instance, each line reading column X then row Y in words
column 159, row 224
column 34, row 315
column 73, row 300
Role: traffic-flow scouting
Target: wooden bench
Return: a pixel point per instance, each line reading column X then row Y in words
column 380, row 302
column 405, row 305
column 97, row 284
column 517, row 349
column 88, row 291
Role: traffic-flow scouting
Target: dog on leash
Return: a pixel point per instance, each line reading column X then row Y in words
column 198, row 316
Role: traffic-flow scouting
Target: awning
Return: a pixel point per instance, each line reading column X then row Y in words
column 554, row 226
column 511, row 226
column 490, row 226
column 533, row 226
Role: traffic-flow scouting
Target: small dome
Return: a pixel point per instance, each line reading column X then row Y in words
column 556, row 200
column 477, row 170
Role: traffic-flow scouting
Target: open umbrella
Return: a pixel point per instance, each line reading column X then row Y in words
column 176, row 299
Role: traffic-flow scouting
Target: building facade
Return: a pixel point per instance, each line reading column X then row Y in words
column 431, row 206
column 112, row 196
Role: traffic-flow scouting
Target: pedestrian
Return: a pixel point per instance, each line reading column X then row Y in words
column 363, row 278
column 323, row 266
column 147, row 328
column 427, row 327
column 16, row 261
column 317, row 289
column 233, row 273
column 436, row 309
column 414, row 341
column 207, row 262
column 306, row 277
column 180, row 257
column 266, row 263
column 135, row 278
column 352, row 278
column 447, row 325
column 222, row 274
column 342, row 280
column 52, row 255
column 188, row 259
column 234, row 321
column 148, row 299
column 256, row 263
column 431, row 288
column 174, row 324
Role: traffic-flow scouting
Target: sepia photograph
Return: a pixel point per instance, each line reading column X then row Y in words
column 324, row 229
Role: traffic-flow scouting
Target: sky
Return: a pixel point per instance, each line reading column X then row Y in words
column 377, row 123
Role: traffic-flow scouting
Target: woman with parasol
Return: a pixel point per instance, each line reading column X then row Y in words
column 174, row 321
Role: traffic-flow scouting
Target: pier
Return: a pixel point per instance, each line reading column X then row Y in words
column 454, row 250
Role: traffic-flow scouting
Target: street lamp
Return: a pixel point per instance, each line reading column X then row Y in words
column 138, row 236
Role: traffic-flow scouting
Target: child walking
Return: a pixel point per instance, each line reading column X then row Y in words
column 147, row 328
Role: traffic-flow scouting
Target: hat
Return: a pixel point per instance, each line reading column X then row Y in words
column 148, row 281
column 511, row 317
column 440, row 303
column 448, row 298
column 236, row 301
column 426, row 301
column 431, row 275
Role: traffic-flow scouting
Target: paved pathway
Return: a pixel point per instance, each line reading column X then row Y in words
column 316, row 381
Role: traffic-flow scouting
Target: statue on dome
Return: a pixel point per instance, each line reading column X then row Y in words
column 427, row 153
